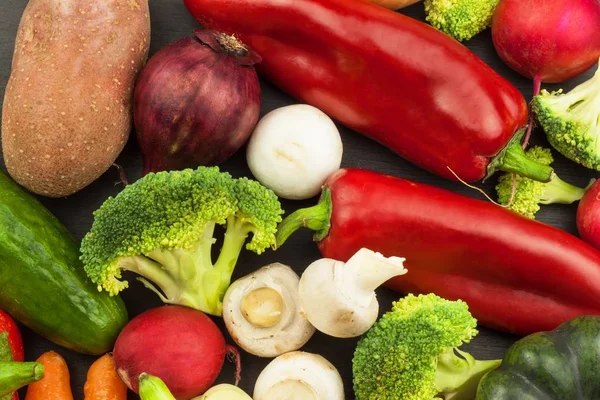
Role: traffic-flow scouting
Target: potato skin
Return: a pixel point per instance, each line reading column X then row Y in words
column 67, row 110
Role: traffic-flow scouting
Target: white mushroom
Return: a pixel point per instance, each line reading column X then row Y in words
column 299, row 376
column 224, row 391
column 262, row 312
column 339, row 298
column 293, row 150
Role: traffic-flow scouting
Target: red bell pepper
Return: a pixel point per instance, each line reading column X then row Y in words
column 390, row 77
column 8, row 325
column 516, row 274
column 15, row 342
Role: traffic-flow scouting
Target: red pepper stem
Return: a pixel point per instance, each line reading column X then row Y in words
column 5, row 351
column 513, row 159
column 6, row 355
column 316, row 218
column 14, row 375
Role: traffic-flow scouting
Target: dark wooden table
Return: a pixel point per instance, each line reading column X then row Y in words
column 171, row 21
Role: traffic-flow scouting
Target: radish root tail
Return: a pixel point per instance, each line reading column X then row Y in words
column 233, row 355
column 537, row 85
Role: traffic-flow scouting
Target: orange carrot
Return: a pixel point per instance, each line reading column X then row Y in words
column 103, row 382
column 55, row 385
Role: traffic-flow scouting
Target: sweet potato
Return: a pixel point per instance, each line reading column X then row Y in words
column 67, row 108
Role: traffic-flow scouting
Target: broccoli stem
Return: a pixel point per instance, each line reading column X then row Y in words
column 316, row 218
column 585, row 92
column 188, row 277
column 235, row 237
column 558, row 191
column 584, row 101
column 457, row 377
column 205, row 247
column 150, row 271
column 513, row 159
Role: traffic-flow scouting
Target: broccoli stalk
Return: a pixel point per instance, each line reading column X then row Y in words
column 410, row 353
column 572, row 121
column 529, row 194
column 188, row 277
column 162, row 228
column 461, row 19
column 558, row 191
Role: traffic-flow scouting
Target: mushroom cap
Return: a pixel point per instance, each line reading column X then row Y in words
column 300, row 376
column 291, row 331
column 224, row 391
column 293, row 150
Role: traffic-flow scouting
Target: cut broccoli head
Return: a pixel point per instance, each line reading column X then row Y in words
column 529, row 194
column 410, row 353
column 572, row 121
column 162, row 228
column 461, row 19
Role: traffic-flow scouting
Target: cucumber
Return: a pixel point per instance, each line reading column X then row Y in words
column 42, row 281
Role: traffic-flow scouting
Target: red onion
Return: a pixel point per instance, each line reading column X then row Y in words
column 196, row 102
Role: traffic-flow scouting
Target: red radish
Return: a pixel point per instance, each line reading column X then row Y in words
column 588, row 215
column 180, row 345
column 547, row 40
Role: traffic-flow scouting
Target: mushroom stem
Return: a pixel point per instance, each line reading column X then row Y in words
column 262, row 307
column 347, row 290
column 366, row 270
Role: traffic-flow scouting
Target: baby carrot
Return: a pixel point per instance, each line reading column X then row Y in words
column 55, row 385
column 103, row 382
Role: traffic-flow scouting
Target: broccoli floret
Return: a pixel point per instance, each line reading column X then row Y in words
column 529, row 194
column 572, row 121
column 410, row 353
column 461, row 19
column 162, row 228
